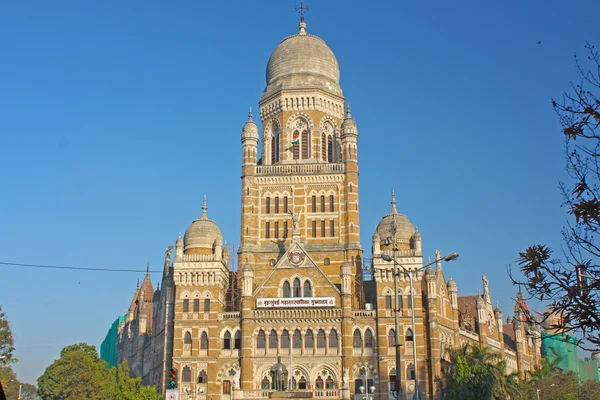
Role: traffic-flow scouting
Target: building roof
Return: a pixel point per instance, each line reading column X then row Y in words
column 303, row 61
column 404, row 228
column 202, row 233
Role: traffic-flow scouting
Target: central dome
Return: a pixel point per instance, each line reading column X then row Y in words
column 303, row 61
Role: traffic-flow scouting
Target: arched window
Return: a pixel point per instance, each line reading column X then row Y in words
column 187, row 339
column 297, row 289
column 186, row 305
column 333, row 339
column 260, row 340
column 327, row 261
column 329, row 148
column 227, row 340
column 307, row 289
column 392, row 338
column 186, row 375
column 321, row 341
column 357, row 339
column 297, row 339
column 410, row 372
column 203, row 377
column 409, row 335
column 273, row 339
column 319, row 383
column 204, row 341
column 238, row 340
column 309, row 339
column 302, row 383
column 329, row 383
column 285, row 339
column 305, row 145
column 265, row 384
column 392, row 380
column 275, row 142
column 368, row 338
column 287, row 291
column 296, row 145
column 324, row 147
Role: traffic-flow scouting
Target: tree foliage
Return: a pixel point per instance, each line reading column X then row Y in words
column 557, row 385
column 80, row 374
column 570, row 285
column 7, row 341
column 474, row 373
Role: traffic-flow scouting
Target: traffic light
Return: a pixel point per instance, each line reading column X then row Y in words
column 172, row 378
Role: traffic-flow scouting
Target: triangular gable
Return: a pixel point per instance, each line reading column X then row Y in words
column 296, row 257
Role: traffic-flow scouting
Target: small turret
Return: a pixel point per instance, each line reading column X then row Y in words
column 179, row 247
column 346, row 275
column 218, row 248
column 247, row 280
column 349, row 137
column 431, row 282
column 416, row 242
column 376, row 249
column 249, row 141
column 453, row 292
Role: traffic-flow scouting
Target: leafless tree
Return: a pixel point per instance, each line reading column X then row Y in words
column 570, row 284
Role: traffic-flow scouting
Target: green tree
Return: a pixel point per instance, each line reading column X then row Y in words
column 78, row 374
column 7, row 341
column 474, row 373
column 9, row 381
column 128, row 388
column 29, row 392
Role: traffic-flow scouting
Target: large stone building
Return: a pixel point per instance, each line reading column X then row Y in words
column 299, row 293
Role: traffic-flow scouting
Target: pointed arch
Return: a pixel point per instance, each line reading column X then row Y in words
column 307, row 289
column 297, row 339
column 321, row 341
column 333, row 339
column 305, row 144
column 309, row 339
column 392, row 338
column 369, row 338
column 285, row 339
column 273, row 339
column 237, row 344
column 287, row 290
column 260, row 340
column 227, row 340
column 297, row 288
column 204, row 341
column 357, row 339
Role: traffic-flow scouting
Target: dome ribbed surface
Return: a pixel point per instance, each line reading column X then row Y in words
column 202, row 233
column 302, row 61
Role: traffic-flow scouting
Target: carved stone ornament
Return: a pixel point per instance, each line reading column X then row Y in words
column 296, row 258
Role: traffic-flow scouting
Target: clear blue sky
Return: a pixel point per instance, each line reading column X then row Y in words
column 117, row 117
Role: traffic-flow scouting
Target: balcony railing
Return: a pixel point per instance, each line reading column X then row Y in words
column 293, row 169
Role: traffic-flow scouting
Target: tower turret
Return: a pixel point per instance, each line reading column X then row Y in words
column 249, row 141
column 247, row 280
column 453, row 293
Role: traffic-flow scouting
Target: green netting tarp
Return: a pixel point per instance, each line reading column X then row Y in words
column 562, row 349
column 108, row 348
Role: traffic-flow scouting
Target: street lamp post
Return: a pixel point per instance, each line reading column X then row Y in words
column 387, row 257
column 539, row 390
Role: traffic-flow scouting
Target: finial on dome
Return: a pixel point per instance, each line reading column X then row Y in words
column 348, row 114
column 394, row 211
column 302, row 10
column 250, row 115
column 138, row 284
column 204, row 208
column 148, row 268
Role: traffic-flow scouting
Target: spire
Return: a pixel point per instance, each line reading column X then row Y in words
column 204, row 208
column 148, row 268
column 302, row 10
column 348, row 113
column 138, row 284
column 394, row 211
column 250, row 115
